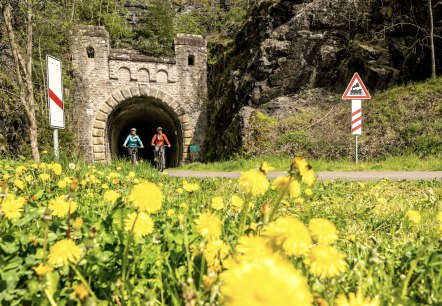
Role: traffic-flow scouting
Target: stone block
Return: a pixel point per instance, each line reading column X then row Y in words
column 144, row 91
column 105, row 108
column 99, row 149
column 184, row 118
column 153, row 92
column 99, row 124
column 188, row 134
column 180, row 111
column 161, row 95
column 187, row 141
column 135, row 91
column 97, row 133
column 118, row 96
column 101, row 116
column 98, row 141
column 99, row 157
column 111, row 102
column 126, row 93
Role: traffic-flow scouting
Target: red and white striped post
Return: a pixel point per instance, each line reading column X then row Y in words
column 356, row 122
column 356, row 92
column 55, row 98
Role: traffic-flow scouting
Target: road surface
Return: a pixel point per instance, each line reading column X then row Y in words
column 324, row 175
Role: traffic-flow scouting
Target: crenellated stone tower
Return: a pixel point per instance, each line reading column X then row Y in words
column 119, row 89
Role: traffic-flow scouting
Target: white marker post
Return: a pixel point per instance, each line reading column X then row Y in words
column 55, row 98
column 356, row 92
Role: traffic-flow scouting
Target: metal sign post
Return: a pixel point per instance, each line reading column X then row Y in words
column 356, row 92
column 55, row 98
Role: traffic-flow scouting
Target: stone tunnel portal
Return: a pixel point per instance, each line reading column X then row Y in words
column 145, row 114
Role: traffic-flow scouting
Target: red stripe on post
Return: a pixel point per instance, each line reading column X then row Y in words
column 55, row 99
column 356, row 112
column 356, row 128
column 356, row 120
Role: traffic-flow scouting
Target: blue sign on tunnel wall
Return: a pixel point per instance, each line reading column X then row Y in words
column 194, row 148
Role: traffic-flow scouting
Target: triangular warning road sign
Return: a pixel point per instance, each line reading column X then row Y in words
column 356, row 89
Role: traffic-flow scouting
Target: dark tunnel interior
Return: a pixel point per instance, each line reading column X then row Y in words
column 145, row 114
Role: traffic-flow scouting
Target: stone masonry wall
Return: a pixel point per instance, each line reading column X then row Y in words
column 106, row 77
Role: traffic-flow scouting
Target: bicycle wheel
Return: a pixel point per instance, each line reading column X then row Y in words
column 158, row 160
column 163, row 161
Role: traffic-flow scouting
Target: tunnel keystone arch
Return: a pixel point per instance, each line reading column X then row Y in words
column 101, row 147
column 113, row 79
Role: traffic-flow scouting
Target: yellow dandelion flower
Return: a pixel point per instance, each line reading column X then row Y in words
column 266, row 168
column 6, row 176
column 147, row 197
column 60, row 206
column 414, row 216
column 170, row 212
column 34, row 166
column 355, row 300
column 299, row 201
column 81, row 291
column 439, row 216
column 325, row 261
column 264, row 281
column 111, row 196
column 57, row 169
column 12, row 206
column 131, row 174
column 42, row 269
column 299, row 163
column 136, row 181
column 208, row 226
column 190, row 187
column 78, row 223
column 29, row 178
column 323, row 231
column 217, row 203
column 142, row 224
column 44, row 152
column 62, row 184
column 287, row 186
column 290, row 235
column 309, row 177
column 63, row 252
column 184, row 205
column 180, row 218
column 308, row 192
column 251, row 247
column 45, row 177
column 254, row 182
column 215, row 252
column 19, row 184
column 180, row 190
column 237, row 203
column 104, row 186
column 20, row 170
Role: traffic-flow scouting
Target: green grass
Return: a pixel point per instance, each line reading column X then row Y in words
column 397, row 163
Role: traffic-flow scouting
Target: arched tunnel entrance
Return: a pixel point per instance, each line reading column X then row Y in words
column 145, row 114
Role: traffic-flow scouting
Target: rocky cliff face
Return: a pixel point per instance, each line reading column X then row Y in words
column 287, row 47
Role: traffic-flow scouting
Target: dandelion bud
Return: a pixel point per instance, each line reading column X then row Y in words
column 74, row 185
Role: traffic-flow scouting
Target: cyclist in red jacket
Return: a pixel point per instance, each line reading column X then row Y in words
column 159, row 141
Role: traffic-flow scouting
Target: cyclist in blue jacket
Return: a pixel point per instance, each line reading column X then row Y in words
column 132, row 142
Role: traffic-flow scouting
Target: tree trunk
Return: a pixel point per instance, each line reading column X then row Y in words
column 433, row 56
column 23, row 69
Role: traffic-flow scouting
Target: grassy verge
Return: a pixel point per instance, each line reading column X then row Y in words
column 399, row 163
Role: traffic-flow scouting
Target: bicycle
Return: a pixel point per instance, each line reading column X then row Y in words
column 134, row 154
column 160, row 158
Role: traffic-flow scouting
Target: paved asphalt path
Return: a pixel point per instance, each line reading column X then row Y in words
column 325, row 175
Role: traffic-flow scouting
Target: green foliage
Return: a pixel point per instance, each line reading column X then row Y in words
column 108, row 13
column 386, row 254
column 156, row 31
column 189, row 24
